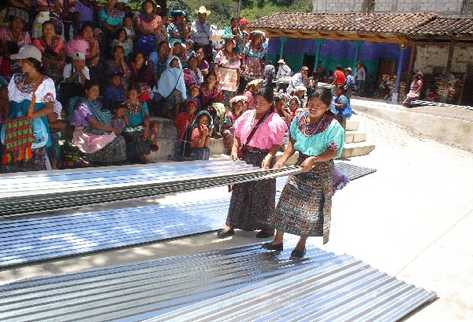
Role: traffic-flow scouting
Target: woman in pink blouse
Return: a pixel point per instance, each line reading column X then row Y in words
column 259, row 134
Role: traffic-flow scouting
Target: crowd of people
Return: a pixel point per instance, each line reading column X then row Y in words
column 81, row 84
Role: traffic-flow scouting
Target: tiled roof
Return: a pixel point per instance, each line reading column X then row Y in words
column 447, row 26
column 406, row 24
column 399, row 23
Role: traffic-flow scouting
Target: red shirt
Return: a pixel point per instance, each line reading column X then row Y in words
column 339, row 78
column 183, row 120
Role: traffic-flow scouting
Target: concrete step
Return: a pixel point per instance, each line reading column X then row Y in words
column 354, row 137
column 357, row 149
column 352, row 124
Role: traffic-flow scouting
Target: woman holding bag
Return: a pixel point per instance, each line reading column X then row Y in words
column 25, row 134
column 259, row 134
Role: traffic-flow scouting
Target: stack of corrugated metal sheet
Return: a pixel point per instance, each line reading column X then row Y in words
column 25, row 239
column 239, row 284
column 47, row 191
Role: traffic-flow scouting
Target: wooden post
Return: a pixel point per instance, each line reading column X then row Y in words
column 451, row 49
column 412, row 58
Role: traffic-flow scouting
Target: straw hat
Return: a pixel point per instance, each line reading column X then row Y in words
column 203, row 11
column 281, row 61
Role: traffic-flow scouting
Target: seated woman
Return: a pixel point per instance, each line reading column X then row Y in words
column 140, row 133
column 142, row 74
column 93, row 134
column 52, row 48
column 212, row 98
column 237, row 107
column 210, row 91
column 121, row 39
column 171, row 89
column 200, row 136
column 25, row 133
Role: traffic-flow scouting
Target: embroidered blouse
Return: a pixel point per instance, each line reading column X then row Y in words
column 271, row 132
column 315, row 139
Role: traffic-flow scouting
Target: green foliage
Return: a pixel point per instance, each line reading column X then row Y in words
column 223, row 10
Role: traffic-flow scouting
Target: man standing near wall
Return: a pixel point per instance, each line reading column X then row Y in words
column 360, row 79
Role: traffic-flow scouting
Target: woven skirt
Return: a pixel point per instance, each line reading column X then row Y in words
column 113, row 153
column 252, row 203
column 304, row 208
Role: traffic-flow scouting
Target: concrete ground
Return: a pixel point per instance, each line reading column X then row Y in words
column 412, row 219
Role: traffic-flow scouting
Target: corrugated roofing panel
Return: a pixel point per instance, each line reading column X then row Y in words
column 47, row 191
column 239, row 284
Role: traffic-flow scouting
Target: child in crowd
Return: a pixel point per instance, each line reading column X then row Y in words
column 115, row 92
column 129, row 27
column 200, row 137
column 251, row 89
column 237, row 107
column 119, row 120
column 124, row 41
column 194, row 94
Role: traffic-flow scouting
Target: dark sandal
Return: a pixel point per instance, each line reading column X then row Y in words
column 222, row 233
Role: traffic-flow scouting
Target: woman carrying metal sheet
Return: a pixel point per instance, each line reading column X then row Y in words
column 259, row 133
column 305, row 204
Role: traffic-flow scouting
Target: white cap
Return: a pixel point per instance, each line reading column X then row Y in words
column 28, row 51
column 78, row 56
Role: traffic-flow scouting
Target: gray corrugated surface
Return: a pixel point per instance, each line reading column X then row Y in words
column 240, row 284
column 43, row 237
column 41, row 192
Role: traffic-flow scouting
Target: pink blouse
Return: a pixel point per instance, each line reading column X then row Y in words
column 149, row 26
column 271, row 132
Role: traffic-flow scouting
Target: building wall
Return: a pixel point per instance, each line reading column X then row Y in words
column 337, row 6
column 429, row 57
column 453, row 7
column 440, row 6
column 435, row 56
column 461, row 59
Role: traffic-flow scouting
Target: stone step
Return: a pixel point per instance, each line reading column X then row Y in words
column 357, row 149
column 352, row 124
column 354, row 137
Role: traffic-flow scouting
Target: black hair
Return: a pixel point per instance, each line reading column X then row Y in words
column 36, row 64
column 91, row 83
column 134, row 87
column 267, row 93
column 136, row 53
column 49, row 22
column 339, row 67
column 115, row 49
column 86, row 25
column 119, row 31
column 324, row 94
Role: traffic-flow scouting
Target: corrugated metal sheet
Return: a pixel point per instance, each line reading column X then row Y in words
column 41, row 192
column 244, row 284
column 47, row 237
column 50, row 236
column 352, row 171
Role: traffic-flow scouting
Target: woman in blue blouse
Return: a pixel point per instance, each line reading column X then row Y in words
column 306, row 201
